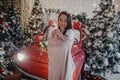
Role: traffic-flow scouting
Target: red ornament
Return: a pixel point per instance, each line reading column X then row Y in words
column 2, row 69
column 50, row 23
column 1, row 20
column 98, row 78
column 39, row 37
column 6, row 26
column 77, row 24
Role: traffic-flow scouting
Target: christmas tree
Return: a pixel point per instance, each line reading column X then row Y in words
column 102, row 41
column 35, row 24
column 16, row 31
column 3, row 33
column 11, row 39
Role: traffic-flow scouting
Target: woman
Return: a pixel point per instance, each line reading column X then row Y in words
column 60, row 41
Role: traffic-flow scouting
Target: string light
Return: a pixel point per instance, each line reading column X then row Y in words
column 94, row 4
column 80, row 1
column 113, row 0
column 116, row 6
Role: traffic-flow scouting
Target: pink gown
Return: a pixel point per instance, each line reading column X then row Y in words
column 61, row 65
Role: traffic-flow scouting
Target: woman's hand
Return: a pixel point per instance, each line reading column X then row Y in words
column 54, row 32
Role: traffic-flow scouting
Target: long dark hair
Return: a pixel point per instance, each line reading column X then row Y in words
column 69, row 21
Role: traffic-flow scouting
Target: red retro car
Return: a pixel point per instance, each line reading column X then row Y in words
column 34, row 61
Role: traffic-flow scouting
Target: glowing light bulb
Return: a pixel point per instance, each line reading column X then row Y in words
column 116, row 6
column 94, row 4
column 113, row 0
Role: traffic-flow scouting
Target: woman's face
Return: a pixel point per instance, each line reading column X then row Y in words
column 62, row 21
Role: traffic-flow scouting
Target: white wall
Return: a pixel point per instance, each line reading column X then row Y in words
column 75, row 6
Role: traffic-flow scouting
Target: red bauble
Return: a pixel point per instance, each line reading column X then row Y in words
column 2, row 69
column 50, row 23
column 6, row 26
column 1, row 20
column 77, row 24
column 98, row 78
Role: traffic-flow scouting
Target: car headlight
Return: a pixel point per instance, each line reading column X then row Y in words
column 21, row 56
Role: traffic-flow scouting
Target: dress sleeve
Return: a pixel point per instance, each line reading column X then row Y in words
column 68, row 36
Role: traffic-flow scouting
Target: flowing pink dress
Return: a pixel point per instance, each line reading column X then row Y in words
column 61, row 65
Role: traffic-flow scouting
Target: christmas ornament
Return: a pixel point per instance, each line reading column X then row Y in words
column 2, row 69
column 116, row 68
column 110, row 34
column 99, row 33
column 2, row 52
column 117, row 55
column 77, row 24
column 50, row 23
column 6, row 26
column 1, row 20
column 111, row 47
column 106, row 62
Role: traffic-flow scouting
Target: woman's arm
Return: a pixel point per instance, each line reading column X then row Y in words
column 68, row 36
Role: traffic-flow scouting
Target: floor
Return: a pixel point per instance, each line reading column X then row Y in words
column 18, row 75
